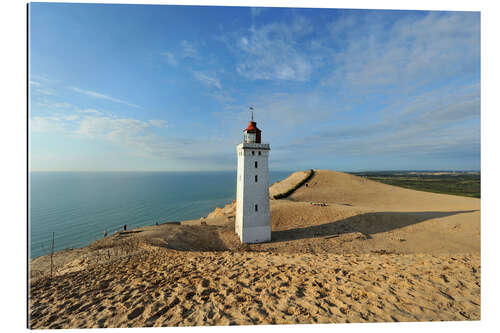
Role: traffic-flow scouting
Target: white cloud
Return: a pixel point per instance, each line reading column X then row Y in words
column 92, row 111
column 47, row 124
column 42, row 89
column 61, row 105
column 360, row 49
column 188, row 50
column 207, row 79
column 272, row 52
column 133, row 134
column 98, row 126
column 291, row 110
column 71, row 117
column 158, row 123
column 221, row 95
column 42, row 78
column 102, row 96
column 170, row 58
column 45, row 91
column 137, row 137
column 410, row 52
column 445, row 120
column 413, row 81
column 256, row 11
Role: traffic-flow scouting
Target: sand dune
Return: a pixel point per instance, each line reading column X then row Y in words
column 375, row 253
column 365, row 216
column 342, row 188
column 287, row 183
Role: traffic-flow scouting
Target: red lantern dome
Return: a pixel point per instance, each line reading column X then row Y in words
column 252, row 133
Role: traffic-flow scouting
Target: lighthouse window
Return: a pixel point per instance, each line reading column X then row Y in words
column 256, row 208
column 256, row 164
column 256, row 178
column 253, row 153
column 259, row 153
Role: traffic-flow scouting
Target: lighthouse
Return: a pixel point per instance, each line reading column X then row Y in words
column 253, row 218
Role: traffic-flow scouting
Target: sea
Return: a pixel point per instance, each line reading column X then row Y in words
column 77, row 207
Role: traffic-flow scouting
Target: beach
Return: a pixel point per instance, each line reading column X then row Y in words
column 370, row 253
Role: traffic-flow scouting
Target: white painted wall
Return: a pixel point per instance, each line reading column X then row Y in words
column 253, row 226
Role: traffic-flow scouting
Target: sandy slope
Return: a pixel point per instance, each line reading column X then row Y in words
column 341, row 188
column 375, row 253
column 287, row 183
column 166, row 288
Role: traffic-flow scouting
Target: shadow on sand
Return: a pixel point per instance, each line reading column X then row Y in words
column 195, row 238
column 367, row 224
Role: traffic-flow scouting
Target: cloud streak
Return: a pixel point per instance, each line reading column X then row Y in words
column 97, row 95
column 445, row 120
column 136, row 137
column 207, row 79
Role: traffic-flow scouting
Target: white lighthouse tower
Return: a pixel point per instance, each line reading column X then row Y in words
column 253, row 218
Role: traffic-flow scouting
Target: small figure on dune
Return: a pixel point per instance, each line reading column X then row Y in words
column 105, row 233
column 124, row 227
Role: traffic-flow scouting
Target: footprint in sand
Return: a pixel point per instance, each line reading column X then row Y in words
column 101, row 322
column 135, row 313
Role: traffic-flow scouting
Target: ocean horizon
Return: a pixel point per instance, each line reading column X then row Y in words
column 78, row 206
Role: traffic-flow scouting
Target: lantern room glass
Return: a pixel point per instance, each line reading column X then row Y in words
column 250, row 137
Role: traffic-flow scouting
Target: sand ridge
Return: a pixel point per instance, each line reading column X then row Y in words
column 287, row 183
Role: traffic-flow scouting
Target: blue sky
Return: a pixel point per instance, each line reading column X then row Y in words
column 142, row 87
